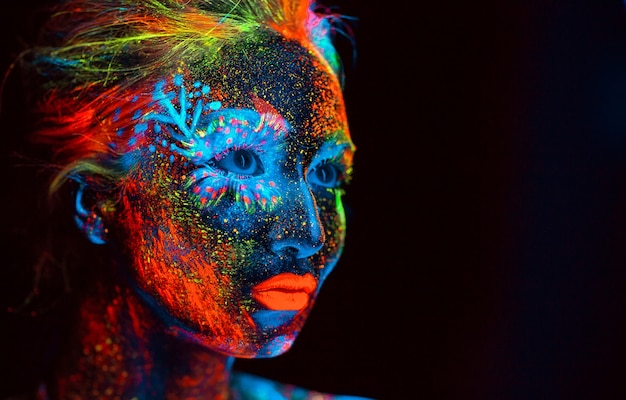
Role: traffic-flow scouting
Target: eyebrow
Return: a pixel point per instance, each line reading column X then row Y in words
column 330, row 149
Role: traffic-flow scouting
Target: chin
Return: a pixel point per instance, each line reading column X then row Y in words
column 277, row 346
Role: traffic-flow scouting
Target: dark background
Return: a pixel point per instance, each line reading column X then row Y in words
column 485, row 256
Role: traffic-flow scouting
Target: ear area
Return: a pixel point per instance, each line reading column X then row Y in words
column 87, row 219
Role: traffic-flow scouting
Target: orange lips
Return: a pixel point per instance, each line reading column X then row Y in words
column 285, row 291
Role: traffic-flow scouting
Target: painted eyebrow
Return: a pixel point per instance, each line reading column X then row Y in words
column 334, row 150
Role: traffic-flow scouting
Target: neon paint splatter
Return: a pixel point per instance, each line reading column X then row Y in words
column 202, row 132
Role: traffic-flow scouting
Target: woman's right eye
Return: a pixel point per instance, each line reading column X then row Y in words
column 240, row 162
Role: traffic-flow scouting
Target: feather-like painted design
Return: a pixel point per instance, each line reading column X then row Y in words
column 201, row 131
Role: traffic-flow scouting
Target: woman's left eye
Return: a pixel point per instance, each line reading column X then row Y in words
column 326, row 175
column 241, row 162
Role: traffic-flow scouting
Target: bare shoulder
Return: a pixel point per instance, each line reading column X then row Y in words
column 251, row 387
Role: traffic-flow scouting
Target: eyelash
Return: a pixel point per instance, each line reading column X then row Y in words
column 214, row 162
column 343, row 173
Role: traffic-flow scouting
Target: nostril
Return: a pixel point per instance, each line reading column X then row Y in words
column 289, row 251
column 296, row 248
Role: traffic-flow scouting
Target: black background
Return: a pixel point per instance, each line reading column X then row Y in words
column 485, row 256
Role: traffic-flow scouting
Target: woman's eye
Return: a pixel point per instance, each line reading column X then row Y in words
column 241, row 162
column 326, row 175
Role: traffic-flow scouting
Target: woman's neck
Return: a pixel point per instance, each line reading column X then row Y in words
column 120, row 349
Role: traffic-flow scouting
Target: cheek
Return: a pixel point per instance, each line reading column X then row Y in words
column 184, row 265
column 333, row 218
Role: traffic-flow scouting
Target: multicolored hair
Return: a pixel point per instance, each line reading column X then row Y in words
column 101, row 53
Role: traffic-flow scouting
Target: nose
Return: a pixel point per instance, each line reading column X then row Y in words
column 297, row 228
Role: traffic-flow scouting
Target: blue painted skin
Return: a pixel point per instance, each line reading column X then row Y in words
column 249, row 386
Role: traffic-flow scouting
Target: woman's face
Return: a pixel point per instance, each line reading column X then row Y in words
column 232, row 216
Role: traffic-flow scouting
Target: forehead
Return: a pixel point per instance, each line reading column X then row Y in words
column 282, row 74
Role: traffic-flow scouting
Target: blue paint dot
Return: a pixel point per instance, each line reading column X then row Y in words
column 137, row 114
column 116, row 114
column 190, row 95
column 197, row 84
column 164, row 143
column 171, row 158
column 152, row 148
column 178, row 80
column 119, row 131
column 215, row 105
column 140, row 128
column 206, row 89
column 157, row 128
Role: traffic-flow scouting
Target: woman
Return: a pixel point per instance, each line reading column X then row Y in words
column 205, row 146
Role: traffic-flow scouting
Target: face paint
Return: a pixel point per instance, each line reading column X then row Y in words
column 231, row 217
column 223, row 145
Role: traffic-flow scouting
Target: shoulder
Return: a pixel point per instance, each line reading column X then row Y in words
column 251, row 387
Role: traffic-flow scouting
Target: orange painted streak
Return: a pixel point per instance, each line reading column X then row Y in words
column 328, row 110
column 180, row 274
column 197, row 297
column 72, row 114
column 293, row 24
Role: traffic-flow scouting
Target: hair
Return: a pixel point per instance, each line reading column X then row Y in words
column 97, row 53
